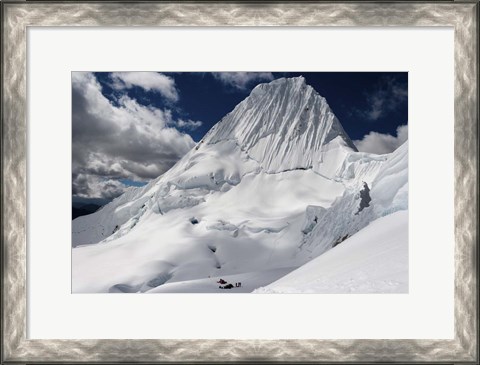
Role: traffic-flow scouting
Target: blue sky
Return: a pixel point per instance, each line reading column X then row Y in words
column 130, row 127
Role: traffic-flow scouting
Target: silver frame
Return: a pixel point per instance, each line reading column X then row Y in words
column 18, row 15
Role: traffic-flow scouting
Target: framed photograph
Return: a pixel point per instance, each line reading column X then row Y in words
column 250, row 191
column 240, row 182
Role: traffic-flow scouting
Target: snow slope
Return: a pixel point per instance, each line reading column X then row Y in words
column 235, row 231
column 249, row 282
column 374, row 260
column 386, row 192
column 274, row 184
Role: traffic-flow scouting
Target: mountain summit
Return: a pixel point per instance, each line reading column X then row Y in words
column 274, row 184
column 283, row 125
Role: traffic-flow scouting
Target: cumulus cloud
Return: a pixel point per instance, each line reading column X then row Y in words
column 379, row 143
column 149, row 81
column 90, row 186
column 387, row 97
column 241, row 80
column 125, row 140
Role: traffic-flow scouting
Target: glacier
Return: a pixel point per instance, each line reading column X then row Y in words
column 274, row 186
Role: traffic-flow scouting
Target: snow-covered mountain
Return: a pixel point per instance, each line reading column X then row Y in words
column 274, row 184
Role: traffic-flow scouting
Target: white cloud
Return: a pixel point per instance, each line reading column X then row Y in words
column 241, row 80
column 188, row 124
column 128, row 140
column 379, row 143
column 149, row 81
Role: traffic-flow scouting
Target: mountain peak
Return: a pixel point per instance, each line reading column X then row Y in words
column 284, row 124
column 297, row 83
column 298, row 80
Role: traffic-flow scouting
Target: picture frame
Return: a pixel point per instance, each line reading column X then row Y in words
column 17, row 16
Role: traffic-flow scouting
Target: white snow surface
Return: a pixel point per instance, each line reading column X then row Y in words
column 374, row 260
column 249, row 281
column 276, row 183
column 388, row 194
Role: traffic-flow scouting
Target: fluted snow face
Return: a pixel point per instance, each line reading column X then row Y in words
column 283, row 125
